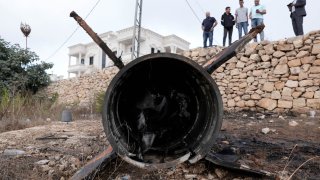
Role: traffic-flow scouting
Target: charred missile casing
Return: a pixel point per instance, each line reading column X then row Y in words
column 164, row 109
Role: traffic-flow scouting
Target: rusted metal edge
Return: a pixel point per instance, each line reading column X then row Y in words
column 95, row 164
column 117, row 61
column 211, row 157
column 232, row 50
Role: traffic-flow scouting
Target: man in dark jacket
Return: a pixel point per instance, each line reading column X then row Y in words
column 298, row 11
column 227, row 21
column 208, row 25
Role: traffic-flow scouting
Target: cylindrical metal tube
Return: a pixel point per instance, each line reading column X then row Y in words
column 161, row 110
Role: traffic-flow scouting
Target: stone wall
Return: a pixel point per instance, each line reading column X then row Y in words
column 274, row 76
column 83, row 90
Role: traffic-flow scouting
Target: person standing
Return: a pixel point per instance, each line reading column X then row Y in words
column 256, row 16
column 298, row 11
column 242, row 19
column 227, row 21
column 208, row 25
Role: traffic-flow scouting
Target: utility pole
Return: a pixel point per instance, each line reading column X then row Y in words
column 25, row 29
column 136, row 30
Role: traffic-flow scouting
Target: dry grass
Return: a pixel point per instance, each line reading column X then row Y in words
column 22, row 111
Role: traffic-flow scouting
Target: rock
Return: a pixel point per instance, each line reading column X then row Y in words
column 250, row 49
column 220, row 173
column 123, row 177
column 190, row 176
column 316, row 49
column 296, row 94
column 269, row 49
column 195, row 54
column 313, row 103
column 45, row 168
column 303, row 75
column 241, row 104
column 235, row 72
column 292, row 84
column 257, row 73
column 308, row 60
column 299, row 103
column 42, row 162
column 268, row 86
column 306, row 67
column 293, row 123
column 275, row 95
column 243, row 85
column 244, row 59
column 203, row 52
column 255, row 96
column 265, row 130
column 268, row 104
column 231, row 103
column 316, row 62
column 279, row 85
column 308, row 95
column 249, row 68
column 298, row 43
column 291, row 54
column 250, row 79
column 278, row 54
column 48, row 119
column 304, row 83
column 315, row 69
column 284, row 104
column 281, row 117
column 281, row 69
column 255, row 57
column 240, row 64
column 285, row 47
column 317, row 95
column 265, row 58
column 295, row 70
column 13, row 152
column 250, row 103
column 294, row 63
column 302, row 54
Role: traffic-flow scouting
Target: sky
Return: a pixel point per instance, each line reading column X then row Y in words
column 51, row 25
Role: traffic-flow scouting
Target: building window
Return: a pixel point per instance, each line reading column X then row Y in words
column 159, row 51
column 82, row 61
column 91, row 60
column 152, row 50
column 130, row 49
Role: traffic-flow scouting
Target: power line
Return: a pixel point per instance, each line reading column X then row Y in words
column 195, row 14
column 70, row 36
column 200, row 6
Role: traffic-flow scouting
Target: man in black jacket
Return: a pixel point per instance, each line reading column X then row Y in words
column 227, row 21
column 298, row 11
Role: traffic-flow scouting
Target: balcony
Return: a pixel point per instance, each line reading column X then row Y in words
column 77, row 68
column 77, row 49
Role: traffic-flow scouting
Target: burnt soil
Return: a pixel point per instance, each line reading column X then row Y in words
column 280, row 152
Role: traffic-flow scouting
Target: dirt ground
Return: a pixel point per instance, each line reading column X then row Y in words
column 58, row 150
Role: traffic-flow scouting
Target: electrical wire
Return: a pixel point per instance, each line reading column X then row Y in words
column 195, row 14
column 70, row 36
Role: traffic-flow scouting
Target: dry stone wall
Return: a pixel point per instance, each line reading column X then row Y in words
column 83, row 90
column 268, row 76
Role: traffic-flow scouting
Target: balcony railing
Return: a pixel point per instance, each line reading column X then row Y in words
column 77, row 68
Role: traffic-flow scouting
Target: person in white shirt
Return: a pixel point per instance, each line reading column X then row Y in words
column 256, row 16
column 242, row 19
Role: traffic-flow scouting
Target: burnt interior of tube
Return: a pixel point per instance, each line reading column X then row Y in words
column 161, row 109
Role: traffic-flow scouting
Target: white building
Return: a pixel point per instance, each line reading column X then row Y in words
column 85, row 58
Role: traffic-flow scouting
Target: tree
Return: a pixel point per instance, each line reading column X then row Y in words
column 20, row 70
